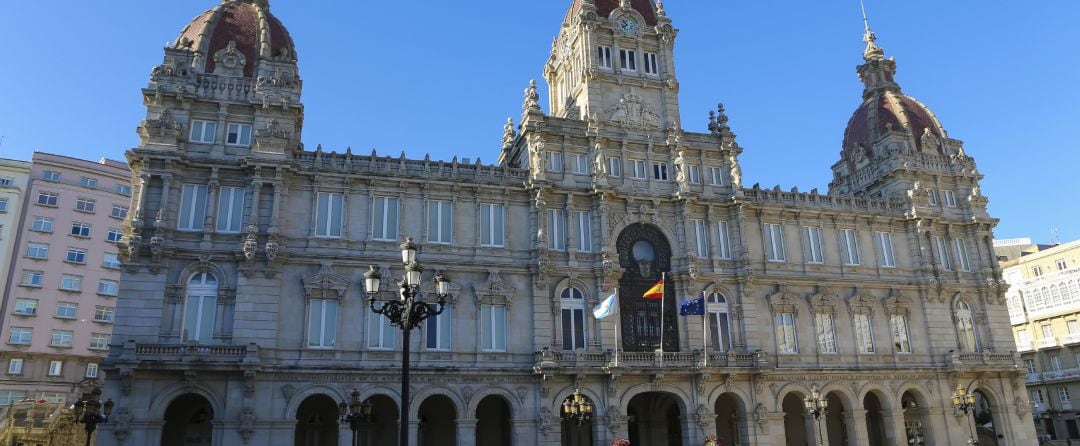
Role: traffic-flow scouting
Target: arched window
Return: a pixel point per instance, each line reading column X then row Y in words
column 719, row 321
column 200, row 308
column 572, row 302
column 965, row 328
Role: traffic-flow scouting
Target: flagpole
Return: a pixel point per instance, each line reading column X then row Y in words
column 618, row 321
column 705, row 328
column 663, row 294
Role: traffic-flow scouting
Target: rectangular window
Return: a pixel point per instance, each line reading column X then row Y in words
column 491, row 225
column 75, row 255
column 719, row 331
column 114, row 235
column 639, row 169
column 812, row 244
column 42, row 224
column 573, row 328
column 37, row 251
column 1063, row 393
column 192, row 208
column 33, row 278
column 122, row 189
column 48, row 199
column 885, row 249
column 440, row 221
column 99, row 341
column 701, row 239
column 1047, row 331
column 694, row 173
column 581, row 163
column 849, row 247
column 628, row 60
column 864, row 333
column 950, row 198
column 92, row 370
column 80, row 229
column 1030, row 363
column 199, row 315
column 1055, row 363
column 786, row 340
column 385, row 223
column 901, row 341
column 20, row 335
column 15, row 366
column 67, row 310
column 826, row 333
column 493, row 328
column 437, row 329
column 26, row 307
column 50, row 175
column 962, row 254
column 380, row 333
column 933, row 196
column 203, row 132
column 943, row 253
column 85, row 205
column 716, row 176
column 3, row 204
column 774, row 242
column 650, row 64
column 119, row 211
column 104, row 314
column 87, row 182
column 110, row 260
column 1036, row 395
column 56, row 368
column 723, row 239
column 71, row 283
column 239, row 135
column 584, row 227
column 615, row 167
column 230, row 211
column 62, row 338
column 660, row 171
column 10, row 396
column 604, row 53
column 1062, row 265
column 1073, row 326
column 328, row 215
column 1036, row 271
column 556, row 222
column 322, row 323
column 554, row 162
column 108, row 287
column 7, row 181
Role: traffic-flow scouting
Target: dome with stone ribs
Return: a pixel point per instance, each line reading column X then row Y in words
column 890, row 111
column 604, row 8
column 243, row 25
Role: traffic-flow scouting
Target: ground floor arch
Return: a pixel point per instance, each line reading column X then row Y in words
column 730, row 420
column 795, row 426
column 655, row 419
column 875, row 419
column 188, row 422
column 316, row 422
column 985, row 419
column 576, row 432
column 493, row 422
column 382, row 428
column 917, row 423
column 438, row 422
column 836, row 431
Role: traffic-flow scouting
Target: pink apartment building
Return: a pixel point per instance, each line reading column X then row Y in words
column 63, row 277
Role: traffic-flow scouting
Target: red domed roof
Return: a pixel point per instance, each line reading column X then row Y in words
column 889, row 110
column 604, row 7
column 248, row 23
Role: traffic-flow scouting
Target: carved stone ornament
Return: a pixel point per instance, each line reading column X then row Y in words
column 247, row 423
column 122, row 424
column 127, row 381
column 494, row 288
column 251, row 243
column 157, row 245
column 761, row 416
column 630, row 112
column 229, row 60
column 532, row 98
column 164, row 125
column 929, row 141
column 544, row 421
column 272, row 247
column 288, row 391
column 325, row 284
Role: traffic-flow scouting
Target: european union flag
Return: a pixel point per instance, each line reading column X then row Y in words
column 693, row 307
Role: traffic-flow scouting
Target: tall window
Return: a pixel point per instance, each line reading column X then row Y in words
column 826, row 332
column 1062, row 265
column 885, row 249
column 615, row 167
column 556, row 221
column 385, row 215
column 322, row 323
column 950, row 198
column 230, row 211
column 572, row 303
column 719, row 323
column 493, row 328
column 440, row 221
column 203, row 131
column 774, row 242
column 723, row 239
column 554, row 162
column 943, row 253
column 864, row 333
column 650, row 64
column 639, row 169
column 849, row 247
column 965, row 328
column 328, row 214
column 380, row 332
column 56, row 368
column 628, row 60
column 192, row 208
column 15, row 366
column 1036, row 396
column 1063, row 393
column 584, row 227
column 92, row 370
column 962, row 254
column 786, row 340
column 901, row 341
column 604, row 53
column 491, row 225
column 3, row 204
column 660, row 171
column 238, row 135
column 812, row 244
column 933, row 196
column 694, row 173
column 438, row 329
column 701, row 239
column 200, row 307
column 716, row 176
column 1055, row 363
column 581, row 163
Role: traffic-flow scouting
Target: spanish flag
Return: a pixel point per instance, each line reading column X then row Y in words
column 656, row 292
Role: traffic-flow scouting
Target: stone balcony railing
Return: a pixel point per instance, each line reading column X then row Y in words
column 985, row 359
column 1071, row 338
column 1052, row 375
column 191, row 353
column 1050, row 342
column 551, row 359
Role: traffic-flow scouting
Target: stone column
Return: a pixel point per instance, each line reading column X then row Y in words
column 523, row 432
column 691, row 430
column 466, row 431
column 253, row 218
column 414, row 432
column 855, row 422
column 213, row 188
column 895, row 432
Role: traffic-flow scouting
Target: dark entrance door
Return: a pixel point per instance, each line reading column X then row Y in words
column 645, row 256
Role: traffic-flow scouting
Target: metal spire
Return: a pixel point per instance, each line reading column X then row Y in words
column 872, row 52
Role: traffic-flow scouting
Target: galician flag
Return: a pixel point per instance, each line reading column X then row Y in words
column 606, row 307
column 656, row 292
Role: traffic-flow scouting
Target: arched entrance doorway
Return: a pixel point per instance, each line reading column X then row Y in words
column 795, row 431
column 984, row 420
column 655, row 420
column 383, row 427
column 644, row 254
column 316, row 422
column 916, row 418
column 836, row 428
column 437, row 422
column 875, row 420
column 576, row 433
column 729, row 418
column 188, row 422
column 493, row 422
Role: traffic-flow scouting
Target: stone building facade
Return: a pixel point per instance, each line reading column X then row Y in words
column 243, row 315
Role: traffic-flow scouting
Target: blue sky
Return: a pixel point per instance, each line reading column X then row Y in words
column 441, row 78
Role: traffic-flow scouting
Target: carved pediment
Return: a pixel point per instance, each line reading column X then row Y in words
column 494, row 289
column 325, row 284
column 783, row 300
column 896, row 303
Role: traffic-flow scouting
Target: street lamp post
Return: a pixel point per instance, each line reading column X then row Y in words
column 577, row 409
column 89, row 411
column 818, row 406
column 965, row 402
column 406, row 313
column 355, row 413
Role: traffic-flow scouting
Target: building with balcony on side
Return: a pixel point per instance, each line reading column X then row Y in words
column 1044, row 307
column 62, row 282
column 14, row 176
column 242, row 314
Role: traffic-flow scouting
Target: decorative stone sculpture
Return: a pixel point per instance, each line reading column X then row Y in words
column 251, row 242
column 532, row 99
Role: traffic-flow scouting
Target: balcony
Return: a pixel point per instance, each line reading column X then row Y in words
column 550, row 359
column 1024, row 346
column 1050, row 342
column 191, row 353
column 1071, row 338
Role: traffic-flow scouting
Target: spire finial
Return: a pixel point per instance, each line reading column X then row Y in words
column 872, row 52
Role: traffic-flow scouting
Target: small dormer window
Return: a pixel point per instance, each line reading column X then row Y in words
column 628, row 60
column 605, row 56
column 650, row 64
column 239, row 135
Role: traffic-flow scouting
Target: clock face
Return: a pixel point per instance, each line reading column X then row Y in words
column 628, row 25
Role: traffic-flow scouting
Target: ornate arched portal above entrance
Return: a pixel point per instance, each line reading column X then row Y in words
column 645, row 255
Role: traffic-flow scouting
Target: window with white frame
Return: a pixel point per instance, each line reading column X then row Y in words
column 50, row 175
column 33, row 278
column 717, row 310
column 584, row 227
column 380, row 333
column 933, row 196
column 1063, row 394
column 615, row 167
column 660, row 171
column 604, row 53
column 192, row 207
column 639, row 169
column 716, row 176
column 950, row 198
column 328, row 214
column 901, row 340
column 122, row 189
column 104, row 314
column 37, row 251
column 200, row 308
column 572, row 304
column 75, row 255
column 440, row 221
column 108, row 287
column 88, row 182
column 71, row 283
column 1073, row 326
column 67, row 310
column 826, row 332
column 774, row 242
column 230, row 211
column 492, row 229
column 1036, row 271
column 694, row 173
column 885, row 249
column 85, row 205
column 1055, row 363
column 322, row 323
column 812, row 244
column 238, row 135
column 110, row 260
column 114, row 235
column 1062, row 265
column 701, row 239
column 26, row 307
column 3, row 204
column 80, row 229
column 581, row 163
column 203, row 132
column 786, row 340
column 628, row 60
column 15, row 366
column 119, row 211
column 723, row 239
column 7, row 181
column 99, row 341
column 555, row 162
column 1030, row 364
column 49, row 199
column 62, row 338
column 849, row 247
column 960, row 245
column 92, row 370
column 42, row 224
column 56, row 368
column 1036, row 395
column 965, row 327
column 556, row 223
column 20, row 335
column 385, row 215
column 650, row 64
column 438, row 329
column 864, row 333
column 493, row 328
column 942, row 249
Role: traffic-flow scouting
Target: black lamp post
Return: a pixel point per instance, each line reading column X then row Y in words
column 577, row 409
column 818, row 406
column 355, row 413
column 965, row 402
column 406, row 313
column 88, row 411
